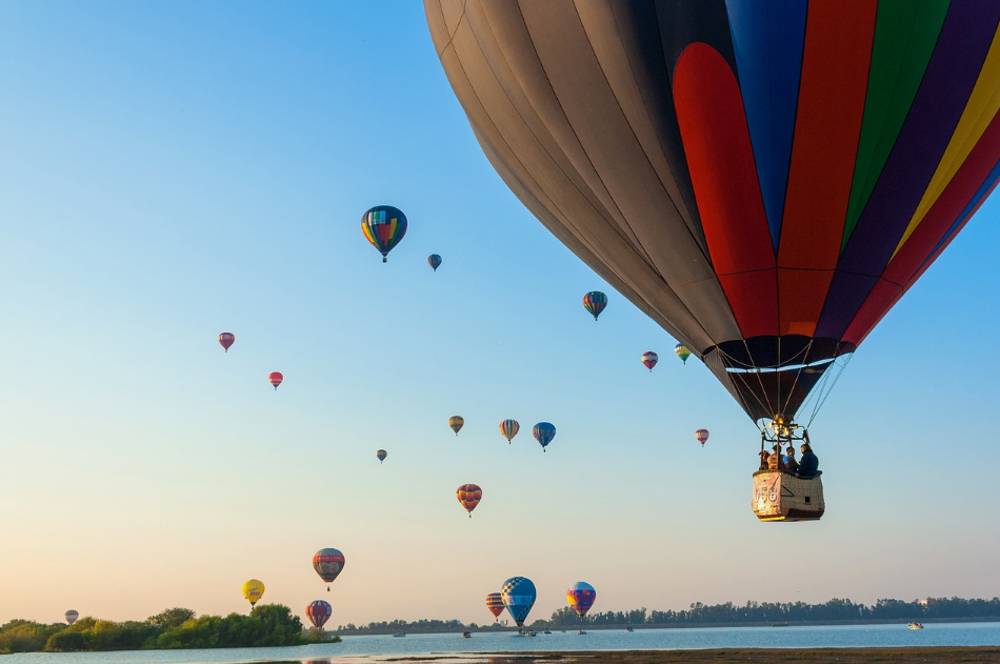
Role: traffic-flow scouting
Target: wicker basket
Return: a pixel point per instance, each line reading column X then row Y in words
column 779, row 496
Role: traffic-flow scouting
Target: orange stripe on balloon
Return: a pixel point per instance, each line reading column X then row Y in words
column 724, row 177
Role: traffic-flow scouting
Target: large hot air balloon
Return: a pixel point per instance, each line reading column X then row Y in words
column 544, row 432
column 275, row 378
column 764, row 179
column 434, row 261
column 384, row 226
column 72, row 616
column 681, row 351
column 649, row 359
column 456, row 422
column 509, row 429
column 469, row 496
column 494, row 602
column 381, row 454
column 329, row 563
column 318, row 613
column 701, row 435
column 226, row 339
column 253, row 590
column 518, row 595
column 580, row 597
column 594, row 302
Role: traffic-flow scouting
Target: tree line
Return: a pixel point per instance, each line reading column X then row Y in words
column 267, row 625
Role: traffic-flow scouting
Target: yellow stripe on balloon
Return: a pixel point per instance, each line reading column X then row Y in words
column 983, row 104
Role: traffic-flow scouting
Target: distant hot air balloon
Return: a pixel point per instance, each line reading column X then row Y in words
column 71, row 616
column 456, row 422
column 329, row 563
column 701, row 435
column 594, row 302
column 469, row 496
column 544, row 432
column 318, row 613
column 494, row 602
column 253, row 590
column 381, row 454
column 384, row 226
column 681, row 351
column 509, row 429
column 580, row 597
column 649, row 358
column 434, row 261
column 518, row 595
column 275, row 378
column 226, row 339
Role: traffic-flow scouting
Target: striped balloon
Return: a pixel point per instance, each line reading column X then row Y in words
column 594, row 302
column 381, row 454
column 544, row 432
column 509, row 429
column 434, row 261
column 681, row 351
column 456, row 422
column 329, row 563
column 580, row 597
column 494, row 602
column 649, row 358
column 318, row 613
column 275, row 378
column 469, row 496
column 701, row 435
column 226, row 339
column 383, row 226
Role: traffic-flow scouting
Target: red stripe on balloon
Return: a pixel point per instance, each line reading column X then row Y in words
column 832, row 90
column 720, row 159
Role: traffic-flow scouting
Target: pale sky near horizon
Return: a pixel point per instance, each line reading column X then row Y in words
column 172, row 170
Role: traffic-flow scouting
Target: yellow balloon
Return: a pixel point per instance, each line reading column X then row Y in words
column 253, row 590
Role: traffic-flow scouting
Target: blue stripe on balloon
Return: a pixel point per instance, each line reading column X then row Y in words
column 768, row 42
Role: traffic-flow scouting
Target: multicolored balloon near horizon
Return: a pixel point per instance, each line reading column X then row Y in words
column 649, row 358
column 329, row 563
column 594, row 302
column 701, row 435
column 518, row 595
column 226, row 339
column 434, row 261
column 681, row 351
column 275, row 378
column 580, row 597
column 456, row 422
column 318, row 613
column 469, row 496
column 509, row 429
column 72, row 616
column 494, row 602
column 544, row 432
column 383, row 226
column 381, row 454
column 253, row 590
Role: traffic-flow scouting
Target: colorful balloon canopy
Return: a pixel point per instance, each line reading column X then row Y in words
column 544, row 432
column 383, row 226
column 434, row 261
column 72, row 616
column 580, row 597
column 649, row 359
column 518, row 595
column 253, row 590
column 701, row 435
column 681, row 351
column 764, row 179
column 381, row 454
column 494, row 602
column 594, row 302
column 318, row 613
column 275, row 378
column 509, row 429
column 329, row 563
column 456, row 422
column 469, row 496
column 226, row 339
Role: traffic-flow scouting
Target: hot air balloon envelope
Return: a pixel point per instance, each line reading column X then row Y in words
column 71, row 616
column 518, row 595
column 253, row 590
column 381, row 454
column 456, row 422
column 594, row 302
column 649, row 359
column 275, row 378
column 544, row 432
column 509, row 429
column 226, row 339
column 434, row 261
column 580, row 597
column 681, row 351
column 494, row 602
column 701, row 435
column 329, row 563
column 383, row 226
column 469, row 496
column 318, row 613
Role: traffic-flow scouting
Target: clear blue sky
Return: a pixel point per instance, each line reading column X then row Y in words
column 171, row 170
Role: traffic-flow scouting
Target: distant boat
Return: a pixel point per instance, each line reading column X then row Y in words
column 548, row 631
column 915, row 625
column 779, row 625
column 466, row 635
column 629, row 629
column 398, row 634
column 581, row 632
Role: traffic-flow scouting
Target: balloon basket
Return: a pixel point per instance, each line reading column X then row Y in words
column 779, row 496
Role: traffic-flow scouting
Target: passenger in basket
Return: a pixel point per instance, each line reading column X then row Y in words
column 774, row 460
column 763, row 459
column 809, row 466
column 791, row 465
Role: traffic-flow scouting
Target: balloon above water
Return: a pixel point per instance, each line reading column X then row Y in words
column 494, row 602
column 518, row 595
column 329, row 563
column 71, row 616
column 318, row 613
column 253, row 590
column 580, row 597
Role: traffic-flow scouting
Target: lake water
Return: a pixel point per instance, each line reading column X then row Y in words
column 359, row 648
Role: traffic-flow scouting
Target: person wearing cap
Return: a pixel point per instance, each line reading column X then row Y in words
column 809, row 465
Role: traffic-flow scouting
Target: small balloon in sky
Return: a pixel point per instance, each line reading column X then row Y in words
column 701, row 435
column 594, row 302
column 434, row 261
column 456, row 422
column 381, row 454
column 383, row 226
column 275, row 378
column 649, row 359
column 329, row 563
column 253, row 590
column 509, row 429
column 544, row 432
column 469, row 496
column 226, row 339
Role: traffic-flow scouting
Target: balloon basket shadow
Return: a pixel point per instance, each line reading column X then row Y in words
column 781, row 497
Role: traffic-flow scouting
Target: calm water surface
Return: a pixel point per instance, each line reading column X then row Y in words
column 358, row 648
